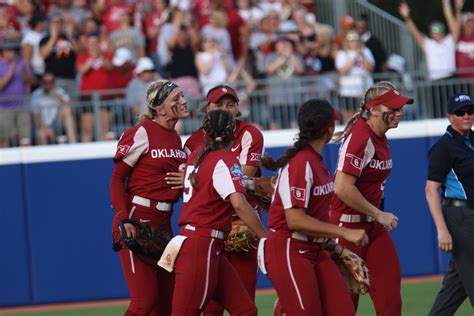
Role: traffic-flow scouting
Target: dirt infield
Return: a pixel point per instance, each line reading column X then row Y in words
column 92, row 304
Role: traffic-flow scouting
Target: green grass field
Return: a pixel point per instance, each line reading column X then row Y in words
column 417, row 299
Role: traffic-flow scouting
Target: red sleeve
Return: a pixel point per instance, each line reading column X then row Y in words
column 117, row 189
column 252, row 147
column 355, row 153
column 294, row 184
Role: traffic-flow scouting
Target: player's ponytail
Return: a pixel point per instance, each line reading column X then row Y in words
column 315, row 118
column 372, row 92
column 219, row 127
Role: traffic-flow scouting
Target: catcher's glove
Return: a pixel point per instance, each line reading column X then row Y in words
column 354, row 271
column 261, row 188
column 148, row 244
column 240, row 238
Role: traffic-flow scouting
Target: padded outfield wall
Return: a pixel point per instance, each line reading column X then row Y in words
column 56, row 216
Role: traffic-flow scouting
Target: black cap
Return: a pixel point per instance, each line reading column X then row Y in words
column 459, row 101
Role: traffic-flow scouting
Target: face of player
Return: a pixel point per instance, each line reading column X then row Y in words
column 226, row 103
column 175, row 105
column 391, row 118
column 461, row 120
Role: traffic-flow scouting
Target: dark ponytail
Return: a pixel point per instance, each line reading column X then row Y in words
column 218, row 126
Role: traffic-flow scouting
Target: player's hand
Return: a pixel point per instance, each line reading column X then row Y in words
column 175, row 179
column 356, row 236
column 130, row 229
column 404, row 10
column 445, row 241
column 389, row 220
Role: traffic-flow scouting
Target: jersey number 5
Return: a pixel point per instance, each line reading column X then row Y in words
column 188, row 187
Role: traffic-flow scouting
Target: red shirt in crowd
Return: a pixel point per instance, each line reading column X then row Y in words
column 112, row 13
column 98, row 77
column 303, row 183
column 465, row 55
column 366, row 156
column 206, row 205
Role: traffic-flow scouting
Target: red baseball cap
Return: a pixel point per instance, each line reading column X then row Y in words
column 391, row 99
column 219, row 92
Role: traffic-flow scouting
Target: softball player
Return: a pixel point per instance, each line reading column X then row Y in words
column 213, row 190
column 247, row 147
column 364, row 165
column 145, row 153
column 306, row 279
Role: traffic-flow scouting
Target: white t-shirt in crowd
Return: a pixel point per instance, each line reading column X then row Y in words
column 217, row 74
column 354, row 83
column 440, row 57
column 33, row 38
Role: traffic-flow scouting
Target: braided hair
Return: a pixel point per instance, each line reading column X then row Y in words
column 219, row 127
column 372, row 92
column 314, row 118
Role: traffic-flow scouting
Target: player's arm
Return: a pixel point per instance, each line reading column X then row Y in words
column 346, row 190
column 249, row 171
column 117, row 194
column 445, row 241
column 298, row 220
column 247, row 213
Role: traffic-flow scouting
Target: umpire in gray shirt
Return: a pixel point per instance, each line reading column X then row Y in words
column 451, row 167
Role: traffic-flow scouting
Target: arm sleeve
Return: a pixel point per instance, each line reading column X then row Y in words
column 252, row 148
column 439, row 163
column 117, row 189
column 294, row 184
column 355, row 153
column 227, row 180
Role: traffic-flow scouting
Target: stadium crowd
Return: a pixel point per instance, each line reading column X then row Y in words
column 56, row 55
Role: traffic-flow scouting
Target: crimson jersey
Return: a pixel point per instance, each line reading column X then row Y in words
column 206, row 205
column 303, row 183
column 366, row 156
column 151, row 150
column 247, row 146
column 465, row 55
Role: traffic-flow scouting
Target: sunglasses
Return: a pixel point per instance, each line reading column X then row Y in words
column 310, row 38
column 461, row 113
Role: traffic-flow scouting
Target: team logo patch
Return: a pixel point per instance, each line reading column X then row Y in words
column 355, row 161
column 255, row 157
column 123, row 149
column 236, row 171
column 298, row 193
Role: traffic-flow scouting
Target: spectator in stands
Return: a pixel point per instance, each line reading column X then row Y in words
column 261, row 42
column 212, row 64
column 58, row 49
column 217, row 29
column 346, row 24
column 15, row 74
column 282, row 65
column 137, row 87
column 461, row 28
column 31, row 41
column 439, row 48
column 25, row 10
column 354, row 63
column 129, row 37
column 183, row 46
column 122, row 70
column 46, row 103
column 308, row 49
column 251, row 13
column 372, row 43
column 110, row 11
column 7, row 28
column 91, row 26
column 94, row 66
column 176, row 19
column 302, row 17
column 326, row 49
column 153, row 23
column 287, row 9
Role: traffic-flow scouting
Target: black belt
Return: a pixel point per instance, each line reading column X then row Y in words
column 458, row 203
